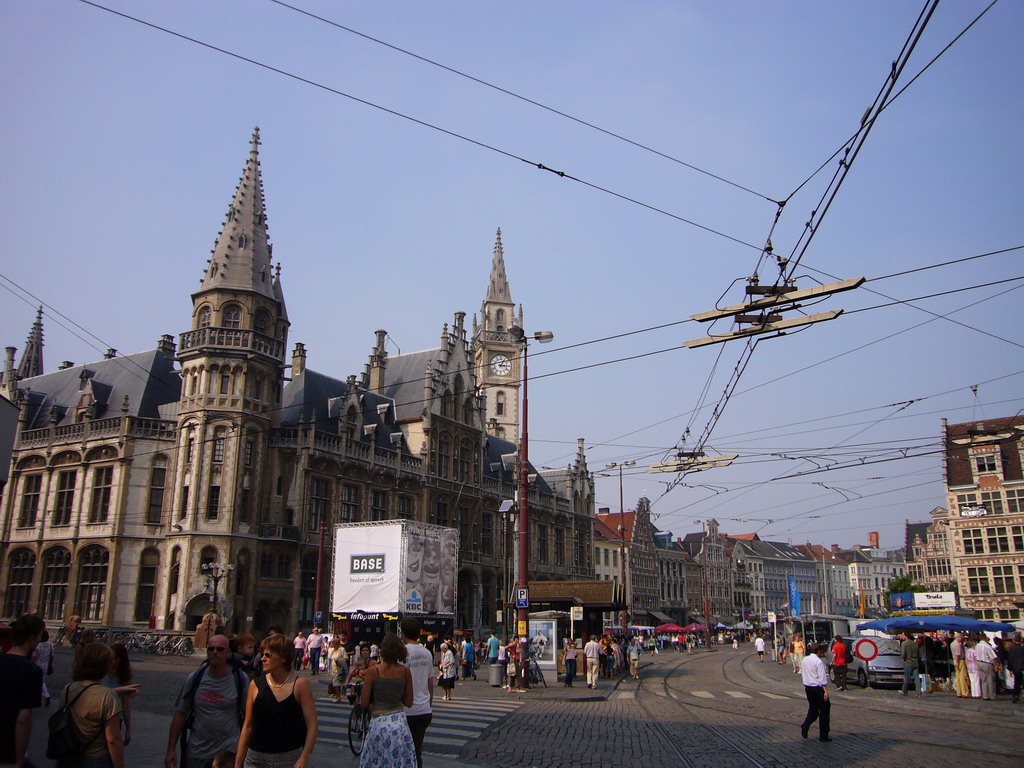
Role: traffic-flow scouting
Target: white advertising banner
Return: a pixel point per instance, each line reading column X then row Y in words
column 367, row 568
column 929, row 600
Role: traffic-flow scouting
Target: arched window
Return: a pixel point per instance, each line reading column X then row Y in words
column 217, row 452
column 262, row 321
column 307, row 588
column 157, row 481
column 204, row 318
column 22, row 566
column 232, row 316
column 92, row 582
column 145, row 593
column 500, row 317
column 242, row 573
column 56, row 571
column 207, row 556
column 499, row 404
column 172, row 581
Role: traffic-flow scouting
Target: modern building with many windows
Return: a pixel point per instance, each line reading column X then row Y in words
column 985, row 489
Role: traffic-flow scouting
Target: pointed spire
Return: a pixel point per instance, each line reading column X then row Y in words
column 497, row 288
column 242, row 253
column 32, row 358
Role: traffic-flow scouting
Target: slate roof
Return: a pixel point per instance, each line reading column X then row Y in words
column 147, row 378
column 313, row 396
column 958, row 465
column 404, row 380
column 913, row 531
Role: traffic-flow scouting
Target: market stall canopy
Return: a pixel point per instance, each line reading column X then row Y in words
column 936, row 623
column 694, row 627
column 673, row 628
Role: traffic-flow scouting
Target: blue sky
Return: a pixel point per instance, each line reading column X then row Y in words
column 121, row 146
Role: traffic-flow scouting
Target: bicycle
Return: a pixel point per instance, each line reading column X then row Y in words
column 358, row 721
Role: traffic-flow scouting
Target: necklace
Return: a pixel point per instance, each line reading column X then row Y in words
column 272, row 684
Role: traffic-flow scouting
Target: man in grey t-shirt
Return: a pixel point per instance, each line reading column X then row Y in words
column 421, row 665
column 216, row 705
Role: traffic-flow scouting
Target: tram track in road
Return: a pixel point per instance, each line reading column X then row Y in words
column 943, row 736
column 692, row 712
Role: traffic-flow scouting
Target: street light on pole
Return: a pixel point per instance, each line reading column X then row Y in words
column 519, row 336
column 217, row 571
column 624, row 616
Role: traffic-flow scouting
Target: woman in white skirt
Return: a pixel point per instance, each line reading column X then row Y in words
column 387, row 691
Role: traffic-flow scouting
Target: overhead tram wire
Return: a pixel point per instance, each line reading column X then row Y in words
column 853, row 148
column 425, row 124
column 526, row 99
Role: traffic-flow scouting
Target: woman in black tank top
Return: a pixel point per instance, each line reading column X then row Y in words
column 280, row 726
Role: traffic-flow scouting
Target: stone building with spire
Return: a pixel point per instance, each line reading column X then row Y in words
column 134, row 476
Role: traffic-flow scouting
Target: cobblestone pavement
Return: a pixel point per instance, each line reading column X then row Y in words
column 713, row 709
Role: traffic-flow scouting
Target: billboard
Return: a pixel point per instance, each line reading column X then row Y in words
column 394, row 566
column 901, row 602
column 367, row 568
column 431, row 562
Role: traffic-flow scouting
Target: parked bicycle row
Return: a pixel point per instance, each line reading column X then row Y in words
column 160, row 643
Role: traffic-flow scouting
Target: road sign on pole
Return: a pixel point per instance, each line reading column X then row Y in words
column 522, row 598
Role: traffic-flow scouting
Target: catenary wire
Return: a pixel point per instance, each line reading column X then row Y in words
column 526, row 99
column 424, row 124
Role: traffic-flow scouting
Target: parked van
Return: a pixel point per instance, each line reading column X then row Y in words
column 885, row 669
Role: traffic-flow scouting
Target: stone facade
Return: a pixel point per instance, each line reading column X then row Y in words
column 130, row 474
column 985, row 491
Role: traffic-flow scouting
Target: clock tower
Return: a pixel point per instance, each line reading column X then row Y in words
column 495, row 355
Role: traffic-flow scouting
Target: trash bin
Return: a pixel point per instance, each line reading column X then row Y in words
column 494, row 674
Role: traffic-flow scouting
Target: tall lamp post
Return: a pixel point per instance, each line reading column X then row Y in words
column 519, row 336
column 624, row 615
column 216, row 572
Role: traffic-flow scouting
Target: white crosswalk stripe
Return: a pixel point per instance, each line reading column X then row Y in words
column 454, row 722
column 736, row 695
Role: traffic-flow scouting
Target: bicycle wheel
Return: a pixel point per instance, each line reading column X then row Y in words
column 186, row 648
column 358, row 723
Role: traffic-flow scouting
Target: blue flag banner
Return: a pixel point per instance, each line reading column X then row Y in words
column 794, row 597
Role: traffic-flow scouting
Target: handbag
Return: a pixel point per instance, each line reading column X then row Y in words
column 64, row 741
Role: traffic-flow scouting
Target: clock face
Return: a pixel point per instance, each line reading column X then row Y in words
column 501, row 365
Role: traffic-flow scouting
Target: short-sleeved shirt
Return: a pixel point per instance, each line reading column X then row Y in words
column 315, row 641
column 216, row 721
column 90, row 714
column 24, row 682
column 421, row 664
column 493, row 644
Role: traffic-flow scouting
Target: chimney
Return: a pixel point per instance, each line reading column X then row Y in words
column 835, row 549
column 604, row 510
column 873, row 539
column 298, row 359
column 65, row 365
column 377, row 364
column 166, row 346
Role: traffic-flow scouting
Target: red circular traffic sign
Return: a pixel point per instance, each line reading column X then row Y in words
column 866, row 649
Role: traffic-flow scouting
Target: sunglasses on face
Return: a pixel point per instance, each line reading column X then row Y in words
column 218, row 648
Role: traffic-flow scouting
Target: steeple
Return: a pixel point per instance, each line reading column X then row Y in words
column 242, row 253
column 32, row 358
column 497, row 288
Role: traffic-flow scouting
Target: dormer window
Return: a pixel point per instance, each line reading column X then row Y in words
column 986, row 463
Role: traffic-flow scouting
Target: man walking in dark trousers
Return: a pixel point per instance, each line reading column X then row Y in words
column 421, row 664
column 815, row 676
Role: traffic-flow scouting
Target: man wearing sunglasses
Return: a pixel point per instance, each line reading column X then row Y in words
column 208, row 706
